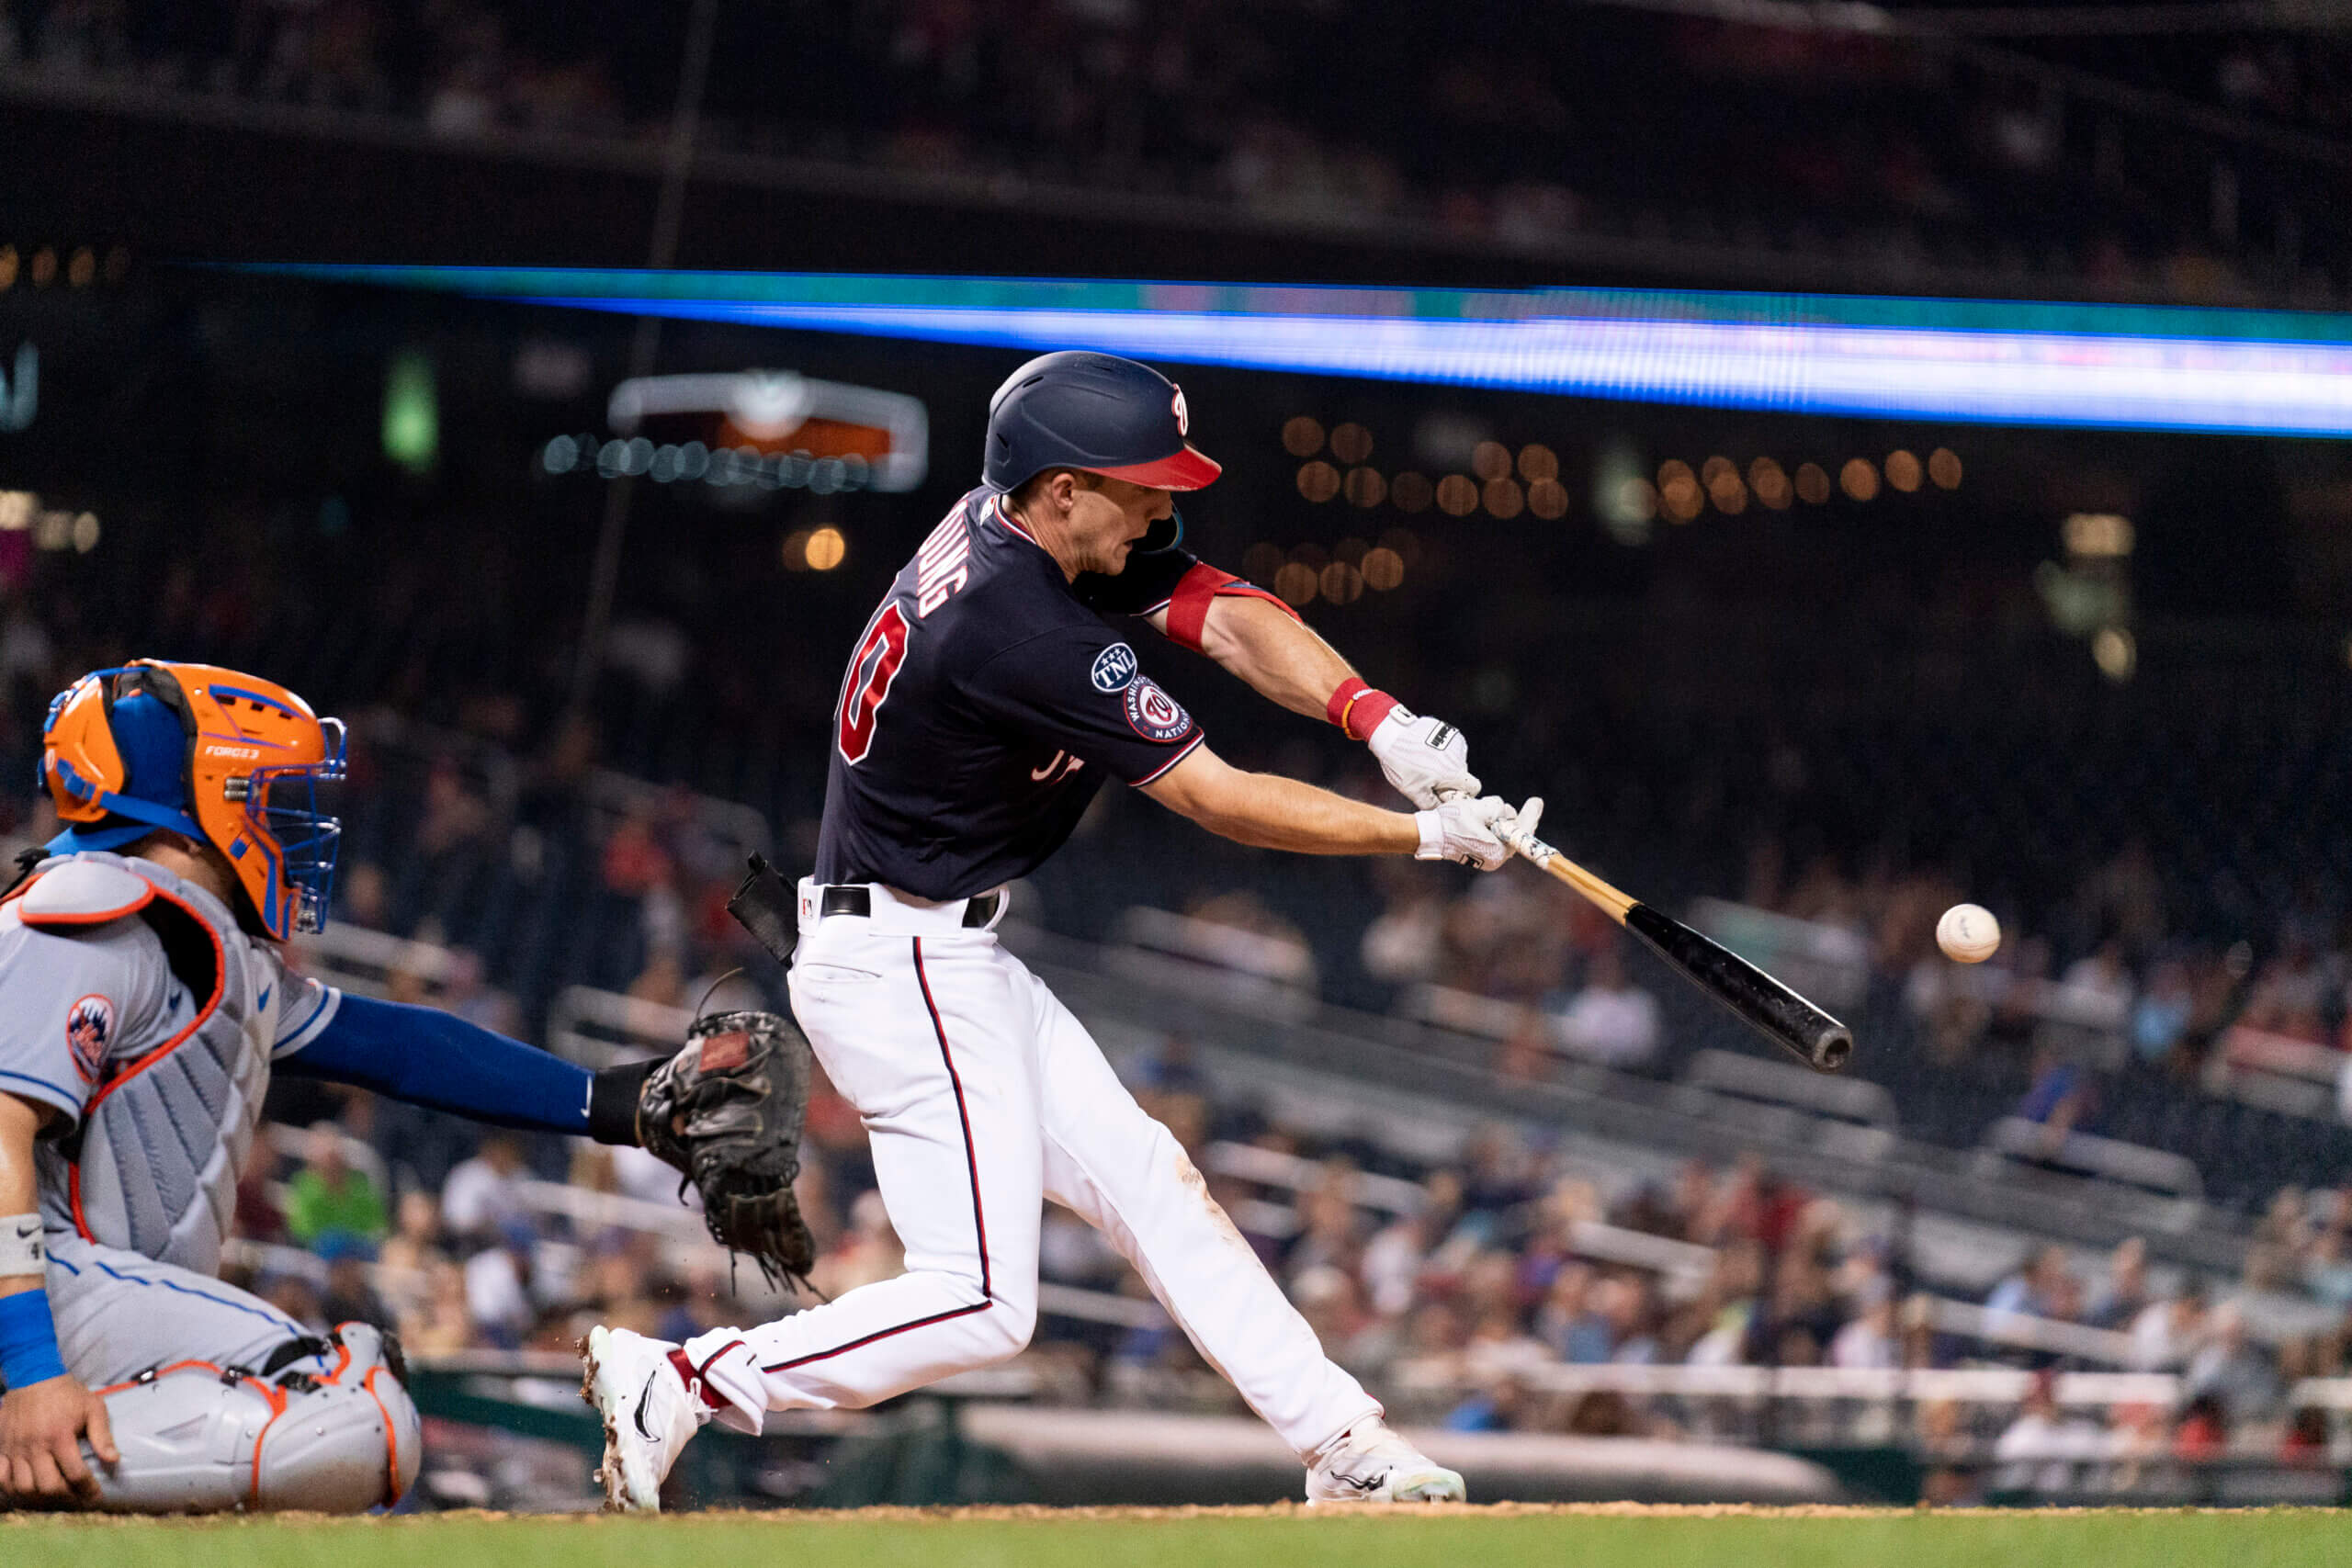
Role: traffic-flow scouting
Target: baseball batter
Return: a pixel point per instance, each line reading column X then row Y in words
column 143, row 1005
column 986, row 703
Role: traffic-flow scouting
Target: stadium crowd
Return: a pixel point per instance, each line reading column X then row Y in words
column 1375, row 117
column 1450, row 1310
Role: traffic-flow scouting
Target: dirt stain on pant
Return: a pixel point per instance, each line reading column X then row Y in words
column 1190, row 1174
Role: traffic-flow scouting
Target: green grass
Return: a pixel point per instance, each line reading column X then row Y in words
column 2272, row 1538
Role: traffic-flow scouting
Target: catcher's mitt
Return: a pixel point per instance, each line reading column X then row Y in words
column 727, row 1110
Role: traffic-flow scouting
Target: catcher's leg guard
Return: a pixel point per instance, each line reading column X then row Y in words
column 200, row 1439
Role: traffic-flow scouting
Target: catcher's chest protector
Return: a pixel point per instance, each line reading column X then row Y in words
column 154, row 1166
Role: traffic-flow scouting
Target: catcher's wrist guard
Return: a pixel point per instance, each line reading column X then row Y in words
column 612, row 1101
column 727, row 1110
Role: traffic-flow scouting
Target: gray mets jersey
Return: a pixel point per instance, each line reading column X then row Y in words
column 132, row 1005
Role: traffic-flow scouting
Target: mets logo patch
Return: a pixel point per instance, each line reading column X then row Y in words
column 89, row 1029
column 1153, row 713
column 1113, row 667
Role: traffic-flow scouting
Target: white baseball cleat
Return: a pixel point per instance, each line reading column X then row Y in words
column 1372, row 1464
column 649, row 1413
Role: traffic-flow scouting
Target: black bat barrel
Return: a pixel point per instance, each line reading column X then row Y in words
column 1755, row 998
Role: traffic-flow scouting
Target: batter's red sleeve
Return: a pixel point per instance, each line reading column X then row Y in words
column 1188, row 607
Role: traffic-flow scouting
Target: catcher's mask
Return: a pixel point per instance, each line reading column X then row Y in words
column 228, row 759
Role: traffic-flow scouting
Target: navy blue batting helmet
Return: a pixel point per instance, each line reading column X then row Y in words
column 1095, row 411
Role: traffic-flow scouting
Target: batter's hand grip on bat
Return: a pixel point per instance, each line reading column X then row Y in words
column 1752, row 996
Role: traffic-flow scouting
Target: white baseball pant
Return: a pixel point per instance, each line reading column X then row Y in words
column 981, row 1094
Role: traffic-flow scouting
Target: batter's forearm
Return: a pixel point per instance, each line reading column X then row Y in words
column 1288, row 814
column 1282, row 657
column 1270, row 812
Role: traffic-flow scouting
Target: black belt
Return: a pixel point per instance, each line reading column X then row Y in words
column 859, row 901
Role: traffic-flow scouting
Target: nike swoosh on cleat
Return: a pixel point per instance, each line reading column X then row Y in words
column 644, row 1394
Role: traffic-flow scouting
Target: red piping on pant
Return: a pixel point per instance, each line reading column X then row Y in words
column 972, row 1165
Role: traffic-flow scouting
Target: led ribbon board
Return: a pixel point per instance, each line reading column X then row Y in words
column 2276, row 373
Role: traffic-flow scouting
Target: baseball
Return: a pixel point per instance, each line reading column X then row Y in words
column 1968, row 932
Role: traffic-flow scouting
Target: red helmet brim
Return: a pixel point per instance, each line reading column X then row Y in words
column 1185, row 468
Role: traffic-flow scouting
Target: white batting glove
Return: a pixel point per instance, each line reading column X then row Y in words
column 1466, row 831
column 1520, row 831
column 1427, row 759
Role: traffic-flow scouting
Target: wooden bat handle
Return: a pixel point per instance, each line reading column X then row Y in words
column 1605, row 898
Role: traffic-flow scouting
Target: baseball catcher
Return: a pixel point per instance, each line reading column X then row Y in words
column 144, row 1003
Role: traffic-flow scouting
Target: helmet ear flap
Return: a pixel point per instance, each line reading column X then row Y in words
column 81, row 761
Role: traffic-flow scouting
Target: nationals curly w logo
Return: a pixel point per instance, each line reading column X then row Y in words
column 1152, row 713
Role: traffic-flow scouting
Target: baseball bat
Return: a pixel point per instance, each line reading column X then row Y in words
column 1753, row 997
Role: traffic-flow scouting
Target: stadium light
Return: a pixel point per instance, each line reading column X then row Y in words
column 2276, row 373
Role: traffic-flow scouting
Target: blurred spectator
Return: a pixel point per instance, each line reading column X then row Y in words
column 350, row 1295
column 443, row 1323
column 2123, row 1295
column 2102, row 984
column 868, row 1251
column 404, row 1266
column 455, row 816
column 2042, row 1449
column 635, row 861
column 2306, row 1439
column 1170, row 1069
column 296, row 1297
column 363, row 895
column 2037, row 1289
column 2160, row 1019
column 662, row 981
column 1868, row 1339
column 2290, row 995
column 481, row 1198
column 1611, row 1020
column 2166, row 1333
column 2203, row 1430
column 329, row 1197
column 498, row 1287
column 465, row 993
column 1401, row 946
column 2063, row 1098
column 2274, row 1260
column 2232, row 1370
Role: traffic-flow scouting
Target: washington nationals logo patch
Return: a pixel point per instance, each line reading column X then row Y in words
column 1183, row 414
column 89, row 1029
column 1113, row 667
column 1153, row 713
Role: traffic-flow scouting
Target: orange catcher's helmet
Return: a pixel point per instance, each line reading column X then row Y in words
column 228, row 758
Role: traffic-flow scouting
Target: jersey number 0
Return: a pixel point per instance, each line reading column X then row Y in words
column 871, row 669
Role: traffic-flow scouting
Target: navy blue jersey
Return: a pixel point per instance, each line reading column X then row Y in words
column 985, row 704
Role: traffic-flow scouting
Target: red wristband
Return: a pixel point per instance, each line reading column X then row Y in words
column 1357, row 708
